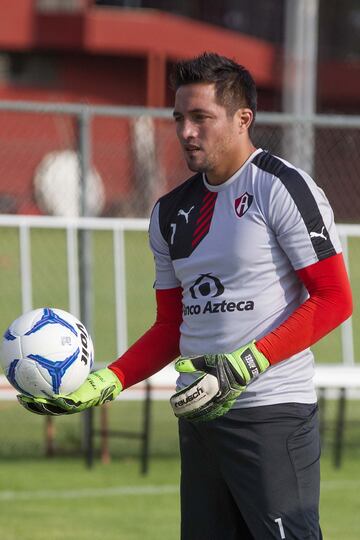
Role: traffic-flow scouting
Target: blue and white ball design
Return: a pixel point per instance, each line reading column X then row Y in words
column 45, row 352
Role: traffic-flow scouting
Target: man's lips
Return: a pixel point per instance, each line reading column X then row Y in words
column 191, row 148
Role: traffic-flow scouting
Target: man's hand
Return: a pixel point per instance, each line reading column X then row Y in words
column 223, row 377
column 100, row 387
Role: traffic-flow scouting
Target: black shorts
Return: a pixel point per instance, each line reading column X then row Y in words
column 252, row 474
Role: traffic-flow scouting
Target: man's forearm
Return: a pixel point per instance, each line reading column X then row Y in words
column 158, row 346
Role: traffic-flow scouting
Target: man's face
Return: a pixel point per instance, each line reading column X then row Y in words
column 208, row 136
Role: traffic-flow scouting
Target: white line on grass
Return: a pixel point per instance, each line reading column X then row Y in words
column 326, row 485
column 88, row 493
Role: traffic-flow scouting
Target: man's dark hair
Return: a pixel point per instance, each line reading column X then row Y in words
column 234, row 85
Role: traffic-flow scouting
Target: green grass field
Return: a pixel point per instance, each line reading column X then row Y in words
column 58, row 498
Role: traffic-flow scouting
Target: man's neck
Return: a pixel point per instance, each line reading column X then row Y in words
column 217, row 177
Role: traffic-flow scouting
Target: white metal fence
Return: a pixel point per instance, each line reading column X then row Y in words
column 24, row 225
column 71, row 227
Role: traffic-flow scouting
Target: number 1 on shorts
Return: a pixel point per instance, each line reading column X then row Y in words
column 281, row 528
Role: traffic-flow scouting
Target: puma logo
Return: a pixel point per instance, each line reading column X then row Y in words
column 318, row 235
column 182, row 212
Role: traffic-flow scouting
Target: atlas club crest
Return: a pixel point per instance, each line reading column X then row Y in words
column 243, row 203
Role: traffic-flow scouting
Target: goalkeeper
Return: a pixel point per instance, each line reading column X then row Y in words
column 249, row 274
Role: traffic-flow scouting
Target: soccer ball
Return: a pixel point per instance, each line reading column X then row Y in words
column 45, row 352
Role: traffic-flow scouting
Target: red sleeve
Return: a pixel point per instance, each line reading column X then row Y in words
column 329, row 304
column 158, row 346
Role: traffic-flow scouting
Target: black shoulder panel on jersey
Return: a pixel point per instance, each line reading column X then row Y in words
column 185, row 216
column 304, row 200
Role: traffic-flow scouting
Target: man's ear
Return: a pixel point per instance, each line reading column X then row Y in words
column 244, row 119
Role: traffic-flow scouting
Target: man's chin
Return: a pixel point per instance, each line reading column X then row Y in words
column 193, row 168
column 196, row 167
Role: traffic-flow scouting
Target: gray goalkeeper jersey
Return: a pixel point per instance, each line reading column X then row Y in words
column 233, row 249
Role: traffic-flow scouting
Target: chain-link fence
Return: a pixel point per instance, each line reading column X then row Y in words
column 116, row 161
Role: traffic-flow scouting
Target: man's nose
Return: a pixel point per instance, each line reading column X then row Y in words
column 188, row 130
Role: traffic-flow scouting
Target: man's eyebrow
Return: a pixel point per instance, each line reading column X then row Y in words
column 192, row 111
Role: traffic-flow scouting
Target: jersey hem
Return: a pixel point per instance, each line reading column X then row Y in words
column 264, row 403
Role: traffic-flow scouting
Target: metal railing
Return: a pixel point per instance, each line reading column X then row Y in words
column 118, row 227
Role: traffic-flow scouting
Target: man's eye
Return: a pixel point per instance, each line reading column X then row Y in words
column 200, row 117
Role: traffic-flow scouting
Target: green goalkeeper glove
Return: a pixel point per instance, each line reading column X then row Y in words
column 223, row 377
column 100, row 386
